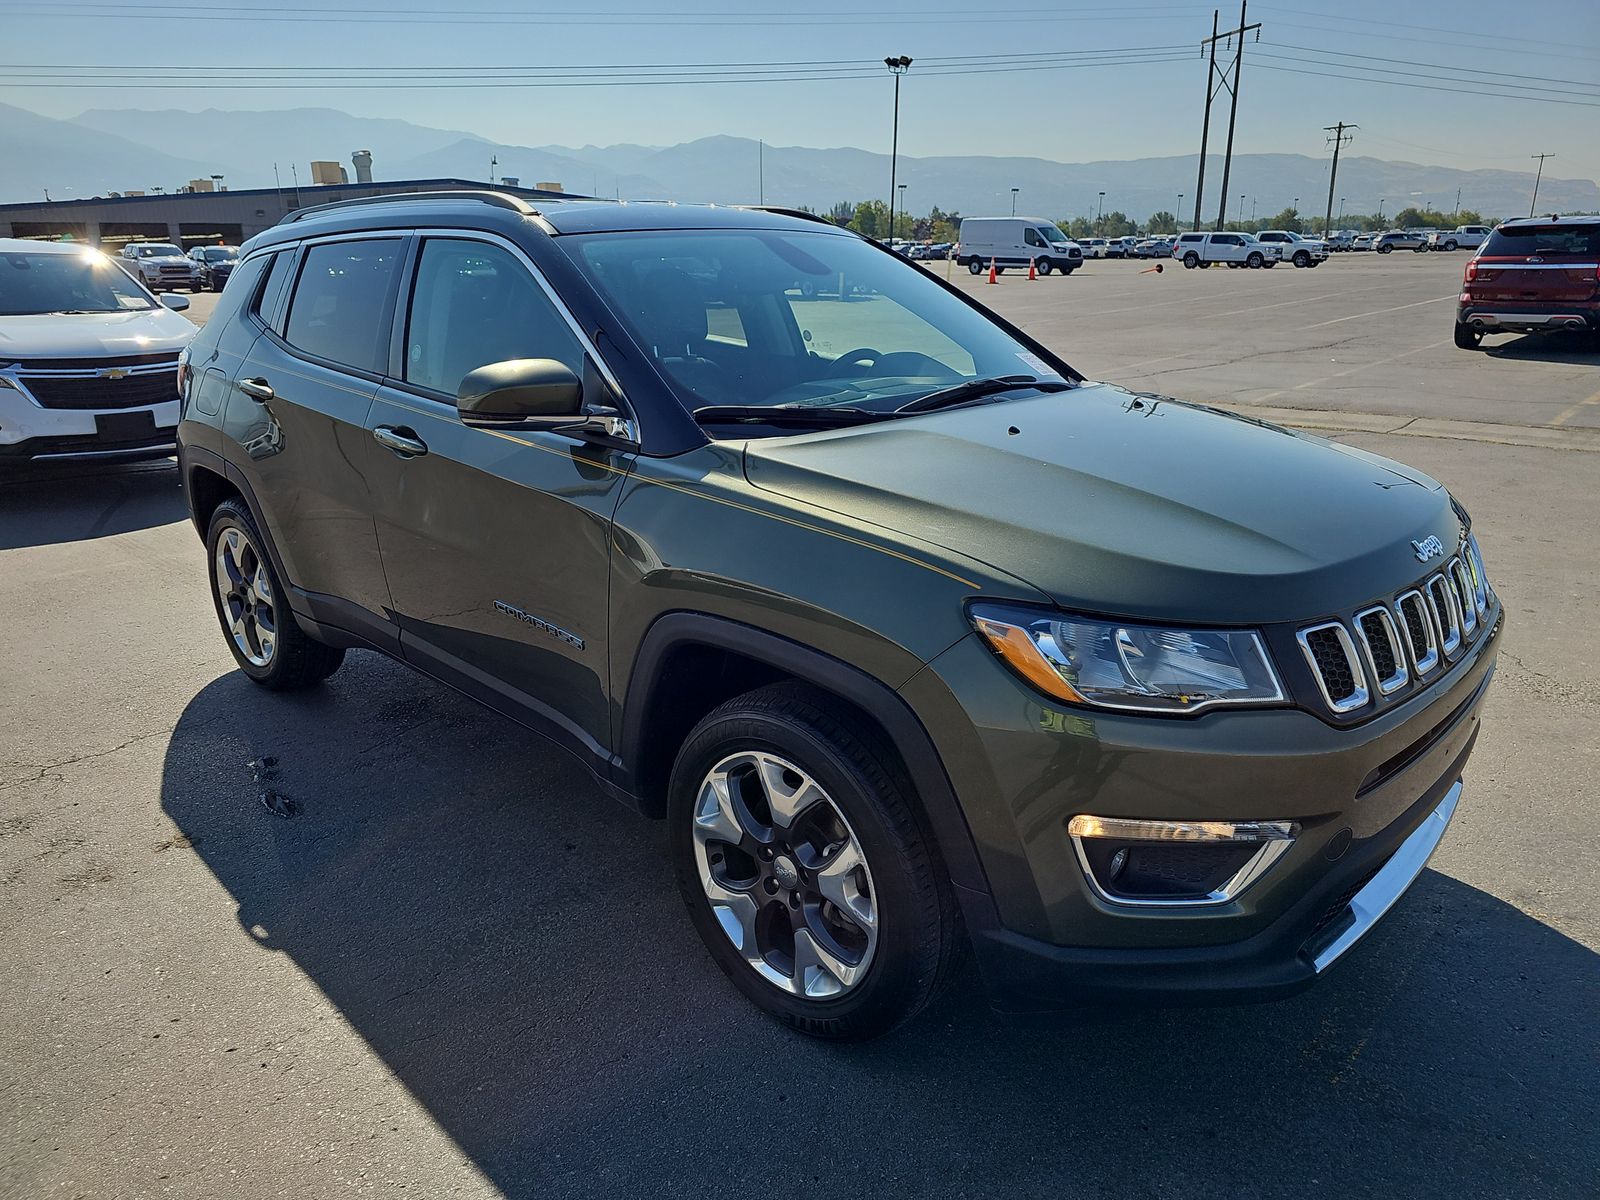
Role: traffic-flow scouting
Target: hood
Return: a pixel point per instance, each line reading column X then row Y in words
column 93, row 335
column 1130, row 505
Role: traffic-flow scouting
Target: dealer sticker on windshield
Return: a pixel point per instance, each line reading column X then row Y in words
column 1037, row 364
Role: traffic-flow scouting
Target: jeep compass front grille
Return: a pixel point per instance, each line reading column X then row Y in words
column 1397, row 642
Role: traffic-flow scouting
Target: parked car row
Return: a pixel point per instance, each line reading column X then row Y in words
column 164, row 267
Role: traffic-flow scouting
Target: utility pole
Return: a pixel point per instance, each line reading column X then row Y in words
column 897, row 67
column 1536, row 179
column 761, row 172
column 1338, row 139
column 1233, row 108
column 1205, row 128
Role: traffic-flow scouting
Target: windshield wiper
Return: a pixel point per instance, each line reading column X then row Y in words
column 783, row 414
column 977, row 389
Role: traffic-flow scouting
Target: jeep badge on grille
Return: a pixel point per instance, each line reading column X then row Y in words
column 1428, row 547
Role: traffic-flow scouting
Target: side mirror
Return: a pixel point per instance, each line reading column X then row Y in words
column 538, row 392
column 175, row 302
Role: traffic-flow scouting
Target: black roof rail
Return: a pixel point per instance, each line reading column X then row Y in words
column 801, row 213
column 498, row 199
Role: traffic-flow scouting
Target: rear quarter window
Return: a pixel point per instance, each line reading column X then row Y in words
column 1564, row 241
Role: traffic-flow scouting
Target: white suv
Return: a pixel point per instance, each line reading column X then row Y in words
column 88, row 357
column 161, row 266
column 1235, row 249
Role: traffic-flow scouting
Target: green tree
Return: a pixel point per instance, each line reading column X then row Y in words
column 843, row 212
column 1288, row 219
column 1162, row 222
column 1115, row 224
column 871, row 219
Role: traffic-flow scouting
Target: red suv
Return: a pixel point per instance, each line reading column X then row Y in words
column 1533, row 276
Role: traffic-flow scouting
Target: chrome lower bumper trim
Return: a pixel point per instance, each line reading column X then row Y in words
column 1393, row 880
column 155, row 451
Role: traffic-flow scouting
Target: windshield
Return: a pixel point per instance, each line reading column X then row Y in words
column 220, row 254
column 755, row 317
column 1052, row 234
column 158, row 251
column 31, row 284
column 1581, row 240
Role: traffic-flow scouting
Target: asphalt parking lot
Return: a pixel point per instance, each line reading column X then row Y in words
column 455, row 969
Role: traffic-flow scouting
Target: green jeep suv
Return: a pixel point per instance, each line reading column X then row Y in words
column 917, row 639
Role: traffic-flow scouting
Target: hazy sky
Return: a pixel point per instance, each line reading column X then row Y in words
column 1295, row 81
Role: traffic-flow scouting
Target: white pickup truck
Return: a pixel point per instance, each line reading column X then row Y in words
column 1235, row 249
column 1301, row 251
column 1469, row 236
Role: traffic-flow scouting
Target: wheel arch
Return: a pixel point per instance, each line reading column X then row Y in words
column 689, row 663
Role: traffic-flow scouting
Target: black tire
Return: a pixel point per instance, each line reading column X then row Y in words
column 1450, row 245
column 1385, row 249
column 1204, row 266
column 1045, row 266
column 974, row 266
column 1254, row 260
column 1468, row 338
column 296, row 660
column 1191, row 260
column 1422, row 249
column 1315, row 263
column 1302, row 258
column 917, row 923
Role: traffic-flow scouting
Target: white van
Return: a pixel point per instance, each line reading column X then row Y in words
column 1015, row 242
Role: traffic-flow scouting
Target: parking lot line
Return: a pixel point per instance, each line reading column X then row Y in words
column 1378, row 312
column 1576, row 409
column 1379, row 362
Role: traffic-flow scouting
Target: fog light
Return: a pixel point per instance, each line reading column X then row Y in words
column 1137, row 862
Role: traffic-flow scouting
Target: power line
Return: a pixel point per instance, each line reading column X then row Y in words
column 1451, row 74
column 1455, row 69
column 1423, row 86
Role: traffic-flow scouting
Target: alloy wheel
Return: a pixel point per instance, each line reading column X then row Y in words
column 785, row 875
column 247, row 599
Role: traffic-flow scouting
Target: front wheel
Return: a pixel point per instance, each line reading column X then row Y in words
column 1302, row 258
column 1254, row 261
column 1468, row 338
column 1045, row 266
column 805, row 869
column 1191, row 260
column 974, row 266
column 266, row 640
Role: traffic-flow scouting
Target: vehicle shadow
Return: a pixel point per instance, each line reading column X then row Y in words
column 43, row 506
column 1549, row 347
column 511, row 945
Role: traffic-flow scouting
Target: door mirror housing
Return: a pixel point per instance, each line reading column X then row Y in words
column 174, row 302
column 536, row 393
column 521, row 391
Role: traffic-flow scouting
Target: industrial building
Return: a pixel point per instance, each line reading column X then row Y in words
column 200, row 215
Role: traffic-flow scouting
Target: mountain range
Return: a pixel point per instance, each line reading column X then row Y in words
column 103, row 150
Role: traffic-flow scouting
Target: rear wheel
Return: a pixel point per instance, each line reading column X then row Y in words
column 252, row 607
column 1191, row 260
column 804, row 868
column 1468, row 338
column 1450, row 245
column 1385, row 249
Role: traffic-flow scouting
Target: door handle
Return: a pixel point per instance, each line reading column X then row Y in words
column 259, row 389
column 402, row 441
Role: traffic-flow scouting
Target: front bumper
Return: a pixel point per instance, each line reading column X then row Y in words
column 1024, row 767
column 30, row 433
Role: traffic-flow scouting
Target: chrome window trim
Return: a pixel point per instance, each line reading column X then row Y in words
column 1429, row 627
column 1276, row 838
column 1401, row 674
column 1356, row 698
column 1450, row 639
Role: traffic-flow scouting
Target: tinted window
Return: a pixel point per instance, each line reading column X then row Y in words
column 337, row 310
column 53, row 282
column 241, row 283
column 1581, row 240
column 275, row 278
column 476, row 304
column 1031, row 236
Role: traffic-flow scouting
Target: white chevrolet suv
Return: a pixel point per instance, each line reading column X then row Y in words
column 88, row 357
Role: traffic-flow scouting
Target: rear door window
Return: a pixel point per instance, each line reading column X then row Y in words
column 340, row 302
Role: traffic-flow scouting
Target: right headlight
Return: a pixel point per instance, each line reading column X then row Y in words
column 1130, row 666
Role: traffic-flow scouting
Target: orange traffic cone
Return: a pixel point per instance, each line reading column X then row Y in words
column 994, row 276
column 1032, row 273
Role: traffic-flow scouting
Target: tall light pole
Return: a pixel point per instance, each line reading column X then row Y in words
column 1534, row 203
column 1381, row 202
column 902, row 206
column 1178, row 213
column 1099, row 216
column 897, row 67
column 1341, row 208
column 1241, row 208
column 1014, row 192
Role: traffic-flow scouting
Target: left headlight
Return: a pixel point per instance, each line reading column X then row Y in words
column 1129, row 666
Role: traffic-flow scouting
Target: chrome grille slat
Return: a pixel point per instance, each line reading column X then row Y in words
column 1446, row 609
column 1463, row 586
column 1342, row 695
column 1417, row 619
column 1375, row 629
